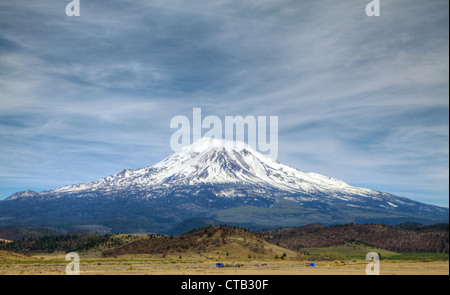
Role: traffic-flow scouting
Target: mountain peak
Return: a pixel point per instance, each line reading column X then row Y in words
column 216, row 161
column 208, row 143
column 207, row 179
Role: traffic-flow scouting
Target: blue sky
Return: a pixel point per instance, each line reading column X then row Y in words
column 362, row 99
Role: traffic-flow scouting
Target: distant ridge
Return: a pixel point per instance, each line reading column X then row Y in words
column 401, row 238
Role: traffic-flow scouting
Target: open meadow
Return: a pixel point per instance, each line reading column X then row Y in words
column 236, row 251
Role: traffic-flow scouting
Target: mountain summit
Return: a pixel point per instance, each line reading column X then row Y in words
column 214, row 161
column 213, row 181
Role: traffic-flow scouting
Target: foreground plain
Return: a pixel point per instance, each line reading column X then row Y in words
column 303, row 251
column 55, row 264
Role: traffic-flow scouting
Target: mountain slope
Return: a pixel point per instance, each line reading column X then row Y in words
column 212, row 179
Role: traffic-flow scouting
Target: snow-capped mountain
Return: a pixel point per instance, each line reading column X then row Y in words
column 213, row 178
column 214, row 161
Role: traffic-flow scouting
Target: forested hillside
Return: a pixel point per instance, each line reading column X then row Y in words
column 402, row 238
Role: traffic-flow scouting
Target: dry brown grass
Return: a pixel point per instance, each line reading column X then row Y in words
column 135, row 266
column 10, row 257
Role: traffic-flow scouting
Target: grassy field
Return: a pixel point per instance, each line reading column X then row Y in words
column 240, row 251
column 421, row 256
column 55, row 264
column 359, row 251
column 339, row 260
